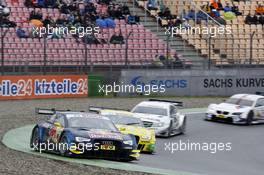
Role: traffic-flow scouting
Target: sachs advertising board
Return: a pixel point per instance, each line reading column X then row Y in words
column 43, row 86
column 221, row 82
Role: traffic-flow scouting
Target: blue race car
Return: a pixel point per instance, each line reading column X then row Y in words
column 82, row 134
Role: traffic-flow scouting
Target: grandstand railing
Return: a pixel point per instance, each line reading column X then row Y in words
column 51, row 66
column 246, row 57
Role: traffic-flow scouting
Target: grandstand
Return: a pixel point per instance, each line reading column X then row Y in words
column 227, row 49
column 146, row 42
column 143, row 45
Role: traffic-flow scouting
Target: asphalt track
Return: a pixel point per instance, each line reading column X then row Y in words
column 246, row 156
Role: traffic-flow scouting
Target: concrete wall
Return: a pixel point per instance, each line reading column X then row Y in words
column 222, row 82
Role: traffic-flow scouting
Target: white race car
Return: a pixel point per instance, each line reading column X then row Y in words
column 162, row 116
column 238, row 109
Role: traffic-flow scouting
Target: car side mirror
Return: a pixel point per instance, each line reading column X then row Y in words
column 58, row 125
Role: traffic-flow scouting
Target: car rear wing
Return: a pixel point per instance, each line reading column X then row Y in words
column 98, row 109
column 51, row 111
column 95, row 109
column 175, row 103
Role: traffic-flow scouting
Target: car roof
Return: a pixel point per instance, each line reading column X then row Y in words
column 155, row 104
column 251, row 97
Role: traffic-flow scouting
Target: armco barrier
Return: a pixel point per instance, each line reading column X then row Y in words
column 221, row 82
column 43, row 86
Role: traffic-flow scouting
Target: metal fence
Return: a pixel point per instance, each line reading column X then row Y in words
column 218, row 52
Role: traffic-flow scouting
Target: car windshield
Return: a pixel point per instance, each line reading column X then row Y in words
column 90, row 123
column 124, row 120
column 239, row 101
column 150, row 110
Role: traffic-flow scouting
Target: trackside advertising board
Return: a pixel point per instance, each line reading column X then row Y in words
column 43, row 86
column 216, row 82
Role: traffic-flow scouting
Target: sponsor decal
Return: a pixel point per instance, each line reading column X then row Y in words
column 166, row 83
column 40, row 86
column 230, row 83
column 107, row 142
column 105, row 136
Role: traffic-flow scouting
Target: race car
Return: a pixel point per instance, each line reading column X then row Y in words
column 162, row 116
column 80, row 134
column 238, row 109
column 127, row 124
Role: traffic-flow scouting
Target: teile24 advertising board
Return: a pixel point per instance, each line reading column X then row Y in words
column 43, row 86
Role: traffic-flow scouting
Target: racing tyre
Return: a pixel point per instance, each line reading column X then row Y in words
column 250, row 117
column 64, row 146
column 183, row 127
column 34, row 140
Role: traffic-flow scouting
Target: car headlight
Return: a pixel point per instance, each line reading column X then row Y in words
column 128, row 142
column 158, row 124
column 82, row 139
column 146, row 137
column 237, row 113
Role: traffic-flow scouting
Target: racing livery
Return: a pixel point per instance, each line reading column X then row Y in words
column 127, row 124
column 238, row 109
column 82, row 134
column 162, row 116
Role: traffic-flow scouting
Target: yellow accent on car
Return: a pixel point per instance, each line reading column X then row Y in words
column 74, row 150
column 146, row 137
column 135, row 153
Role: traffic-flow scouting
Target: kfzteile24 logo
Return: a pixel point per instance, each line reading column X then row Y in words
column 23, row 87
